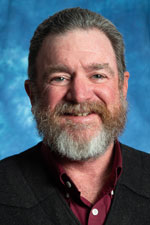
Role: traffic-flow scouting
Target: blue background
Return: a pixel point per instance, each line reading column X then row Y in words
column 18, row 20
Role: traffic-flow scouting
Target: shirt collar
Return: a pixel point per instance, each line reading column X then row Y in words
column 116, row 169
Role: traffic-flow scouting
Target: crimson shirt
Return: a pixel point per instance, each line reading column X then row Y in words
column 87, row 213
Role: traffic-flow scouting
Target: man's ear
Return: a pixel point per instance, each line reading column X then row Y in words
column 29, row 90
column 125, row 83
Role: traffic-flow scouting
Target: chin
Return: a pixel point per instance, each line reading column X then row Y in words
column 79, row 146
column 82, row 133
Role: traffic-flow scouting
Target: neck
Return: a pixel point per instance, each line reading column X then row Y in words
column 91, row 175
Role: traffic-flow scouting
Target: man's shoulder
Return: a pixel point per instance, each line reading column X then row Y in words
column 27, row 153
column 135, row 156
column 14, row 162
column 136, row 170
column 18, row 174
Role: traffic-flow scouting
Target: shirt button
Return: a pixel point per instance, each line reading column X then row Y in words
column 67, row 195
column 95, row 212
column 112, row 192
column 68, row 184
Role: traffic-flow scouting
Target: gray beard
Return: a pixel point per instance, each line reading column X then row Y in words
column 65, row 145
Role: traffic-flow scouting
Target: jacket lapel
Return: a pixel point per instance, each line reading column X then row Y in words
column 46, row 192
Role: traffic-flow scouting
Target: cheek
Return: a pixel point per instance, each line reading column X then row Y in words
column 109, row 94
column 53, row 96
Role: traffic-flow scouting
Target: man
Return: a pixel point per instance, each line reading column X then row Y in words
column 80, row 173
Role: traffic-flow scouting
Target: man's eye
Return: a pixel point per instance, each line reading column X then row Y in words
column 59, row 81
column 98, row 76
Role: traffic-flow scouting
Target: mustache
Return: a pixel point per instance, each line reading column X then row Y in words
column 81, row 108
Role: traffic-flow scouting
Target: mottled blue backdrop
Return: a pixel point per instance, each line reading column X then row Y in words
column 18, row 20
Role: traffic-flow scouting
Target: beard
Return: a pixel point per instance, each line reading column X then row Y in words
column 68, row 139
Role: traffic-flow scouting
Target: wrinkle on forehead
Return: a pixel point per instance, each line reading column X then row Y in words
column 78, row 41
column 79, row 36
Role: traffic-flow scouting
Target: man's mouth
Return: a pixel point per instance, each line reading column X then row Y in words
column 81, row 117
column 77, row 114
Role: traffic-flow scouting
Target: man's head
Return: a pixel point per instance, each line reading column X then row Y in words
column 78, row 83
column 71, row 19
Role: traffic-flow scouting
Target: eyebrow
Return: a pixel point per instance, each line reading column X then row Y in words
column 54, row 69
column 98, row 66
column 62, row 68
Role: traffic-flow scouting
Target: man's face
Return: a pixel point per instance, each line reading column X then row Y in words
column 79, row 68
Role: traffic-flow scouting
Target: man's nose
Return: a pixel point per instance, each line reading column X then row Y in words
column 80, row 90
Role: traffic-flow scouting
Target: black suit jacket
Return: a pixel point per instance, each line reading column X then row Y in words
column 28, row 195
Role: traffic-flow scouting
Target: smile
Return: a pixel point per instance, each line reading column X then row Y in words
column 77, row 114
column 85, row 117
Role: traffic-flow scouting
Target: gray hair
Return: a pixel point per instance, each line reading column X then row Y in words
column 70, row 19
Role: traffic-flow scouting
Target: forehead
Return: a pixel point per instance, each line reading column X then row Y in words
column 87, row 46
column 80, row 38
